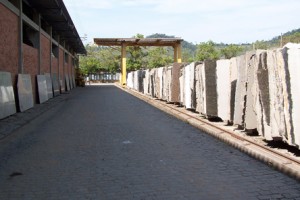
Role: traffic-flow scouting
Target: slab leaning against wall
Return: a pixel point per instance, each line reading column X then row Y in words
column 7, row 97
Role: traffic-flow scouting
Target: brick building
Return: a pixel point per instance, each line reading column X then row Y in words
column 38, row 38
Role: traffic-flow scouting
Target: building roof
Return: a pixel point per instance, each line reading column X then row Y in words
column 137, row 41
column 55, row 13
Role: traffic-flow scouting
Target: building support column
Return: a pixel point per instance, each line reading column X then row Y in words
column 123, row 65
column 40, row 45
column 177, row 53
column 21, row 67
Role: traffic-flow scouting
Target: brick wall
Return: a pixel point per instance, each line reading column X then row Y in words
column 45, row 54
column 9, row 52
column 30, row 63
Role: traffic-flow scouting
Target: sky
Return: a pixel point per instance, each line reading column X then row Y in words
column 227, row 21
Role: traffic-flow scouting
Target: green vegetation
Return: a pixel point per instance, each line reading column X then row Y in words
column 107, row 59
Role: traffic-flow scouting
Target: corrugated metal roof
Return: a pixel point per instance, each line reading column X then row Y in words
column 56, row 14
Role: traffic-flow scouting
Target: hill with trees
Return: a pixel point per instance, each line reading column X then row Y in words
column 107, row 59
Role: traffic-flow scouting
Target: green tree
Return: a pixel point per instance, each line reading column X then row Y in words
column 207, row 50
column 158, row 57
column 136, row 54
column 231, row 50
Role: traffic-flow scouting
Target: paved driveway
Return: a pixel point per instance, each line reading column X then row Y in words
column 102, row 143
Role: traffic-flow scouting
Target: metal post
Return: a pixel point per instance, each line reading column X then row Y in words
column 123, row 65
column 179, row 53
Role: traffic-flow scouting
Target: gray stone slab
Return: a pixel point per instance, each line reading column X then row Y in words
column 55, row 84
column 7, row 97
column 67, row 82
column 250, row 122
column 73, row 81
column 49, row 85
column 42, row 88
column 25, row 92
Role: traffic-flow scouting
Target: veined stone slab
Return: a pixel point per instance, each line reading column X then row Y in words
column 67, row 82
column 223, row 89
column 146, row 80
column 7, row 97
column 175, row 86
column 42, row 88
column 55, row 83
column 294, row 73
column 152, row 82
column 189, row 86
column 169, row 83
column 181, row 83
column 262, row 100
column 25, row 92
column 250, row 118
column 206, row 93
column 233, row 81
column 49, row 85
column 240, row 97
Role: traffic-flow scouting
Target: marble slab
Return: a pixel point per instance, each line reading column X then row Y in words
column 49, row 85
column 42, row 88
column 7, row 97
column 175, row 86
column 25, row 94
column 67, row 82
column 55, row 84
column 223, row 88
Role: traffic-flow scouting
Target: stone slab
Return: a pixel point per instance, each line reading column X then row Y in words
column 49, row 85
column 55, row 84
column 67, row 80
column 175, row 86
column 25, row 94
column 223, row 89
column 7, row 97
column 42, row 88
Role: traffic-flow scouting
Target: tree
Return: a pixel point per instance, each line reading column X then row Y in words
column 136, row 54
column 207, row 50
column 158, row 57
column 231, row 50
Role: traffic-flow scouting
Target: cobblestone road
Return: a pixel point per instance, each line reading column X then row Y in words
column 102, row 143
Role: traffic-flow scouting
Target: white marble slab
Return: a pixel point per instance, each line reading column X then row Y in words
column 42, row 88
column 294, row 72
column 25, row 94
column 223, row 89
column 7, row 97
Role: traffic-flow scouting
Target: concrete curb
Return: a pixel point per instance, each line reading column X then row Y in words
column 268, row 157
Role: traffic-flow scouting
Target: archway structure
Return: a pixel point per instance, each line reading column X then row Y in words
column 124, row 42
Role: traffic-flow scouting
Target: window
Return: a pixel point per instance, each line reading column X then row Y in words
column 66, row 57
column 30, row 36
column 55, row 50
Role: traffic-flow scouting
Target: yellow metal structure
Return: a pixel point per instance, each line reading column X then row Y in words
column 124, row 42
column 123, row 65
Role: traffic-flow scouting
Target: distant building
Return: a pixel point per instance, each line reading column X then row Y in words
column 38, row 37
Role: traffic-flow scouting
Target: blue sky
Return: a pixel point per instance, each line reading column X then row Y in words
column 228, row 21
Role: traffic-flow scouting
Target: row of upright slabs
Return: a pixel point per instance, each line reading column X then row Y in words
column 258, row 91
